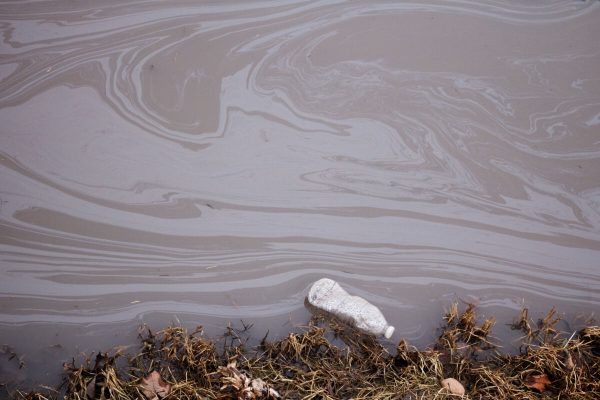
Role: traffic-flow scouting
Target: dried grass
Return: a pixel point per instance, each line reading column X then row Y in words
column 308, row 365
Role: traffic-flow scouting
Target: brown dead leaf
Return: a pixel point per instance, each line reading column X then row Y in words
column 244, row 388
column 537, row 382
column 232, row 378
column 154, row 387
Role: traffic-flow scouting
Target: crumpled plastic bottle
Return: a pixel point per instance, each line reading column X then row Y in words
column 328, row 295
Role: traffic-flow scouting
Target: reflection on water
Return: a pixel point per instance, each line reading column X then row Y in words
column 205, row 162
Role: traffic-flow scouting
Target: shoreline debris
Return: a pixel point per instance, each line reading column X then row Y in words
column 327, row 295
column 331, row 360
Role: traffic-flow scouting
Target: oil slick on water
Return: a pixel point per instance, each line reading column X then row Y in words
column 206, row 162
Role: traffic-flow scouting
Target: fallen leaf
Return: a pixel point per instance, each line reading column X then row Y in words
column 258, row 386
column 261, row 388
column 453, row 386
column 537, row 382
column 272, row 393
column 244, row 387
column 154, row 387
column 233, row 378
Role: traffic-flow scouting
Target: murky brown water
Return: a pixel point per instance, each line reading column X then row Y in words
column 205, row 162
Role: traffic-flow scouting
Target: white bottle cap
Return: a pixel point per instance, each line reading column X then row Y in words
column 389, row 332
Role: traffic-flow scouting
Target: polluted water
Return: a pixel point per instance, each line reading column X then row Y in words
column 205, row 162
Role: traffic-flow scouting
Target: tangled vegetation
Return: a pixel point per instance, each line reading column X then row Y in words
column 330, row 360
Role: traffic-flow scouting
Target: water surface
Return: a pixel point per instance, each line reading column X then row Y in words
column 205, row 162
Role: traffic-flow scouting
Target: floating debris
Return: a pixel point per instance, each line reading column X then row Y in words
column 328, row 296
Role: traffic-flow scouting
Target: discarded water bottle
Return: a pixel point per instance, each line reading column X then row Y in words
column 329, row 296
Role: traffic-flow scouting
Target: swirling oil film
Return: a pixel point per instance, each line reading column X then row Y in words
column 202, row 163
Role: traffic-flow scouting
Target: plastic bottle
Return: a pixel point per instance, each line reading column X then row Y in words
column 329, row 296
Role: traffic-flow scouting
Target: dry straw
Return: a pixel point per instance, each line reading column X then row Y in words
column 330, row 360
